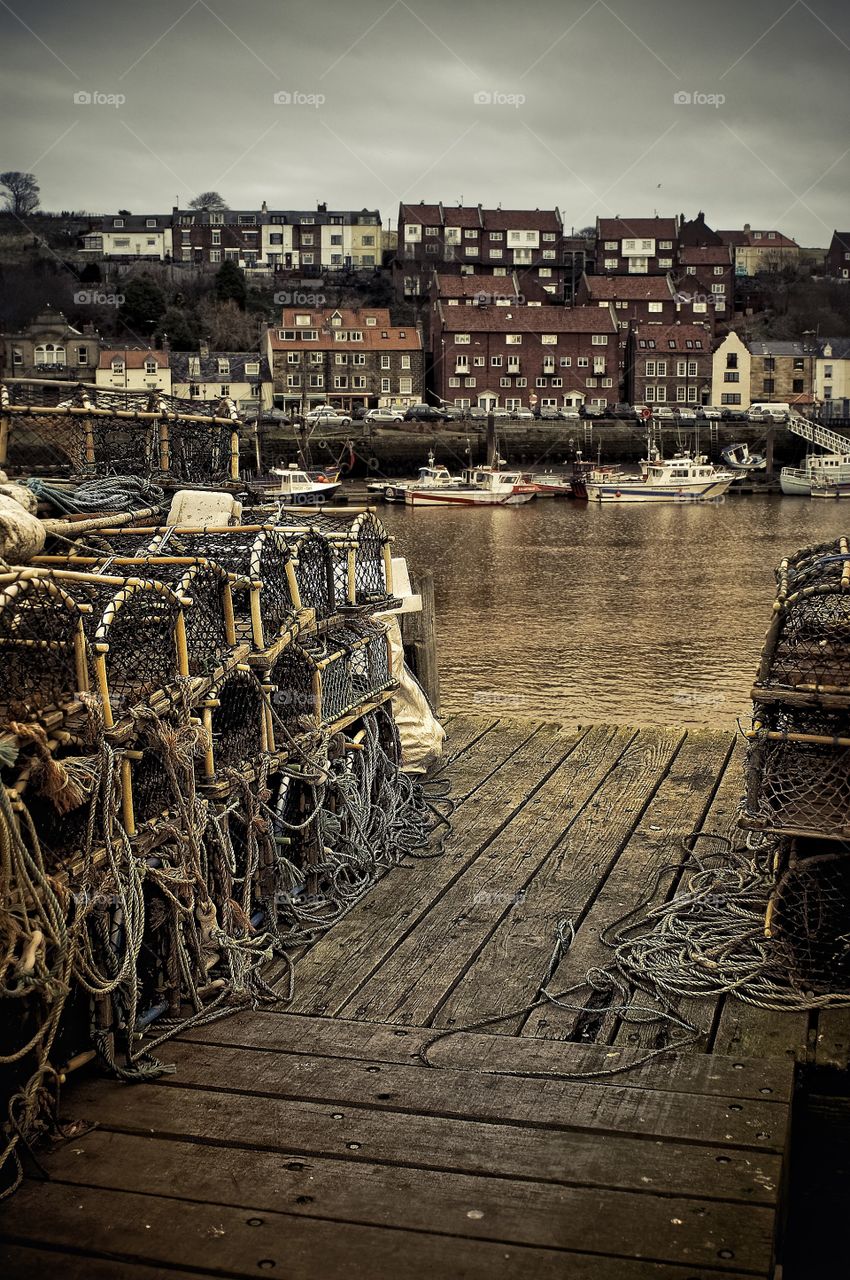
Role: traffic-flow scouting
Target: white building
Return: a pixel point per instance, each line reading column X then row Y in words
column 730, row 373
column 130, row 236
column 241, row 376
column 134, row 369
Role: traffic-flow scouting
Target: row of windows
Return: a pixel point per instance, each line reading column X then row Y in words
column 684, row 369
column 547, row 339
column 691, row 344
column 50, row 353
column 658, row 395
column 505, row 381
column 342, row 382
column 343, row 357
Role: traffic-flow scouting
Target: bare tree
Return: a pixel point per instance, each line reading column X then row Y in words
column 22, row 194
column 208, row 200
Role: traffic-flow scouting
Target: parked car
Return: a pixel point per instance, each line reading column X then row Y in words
column 593, row 411
column 663, row 412
column 568, row 415
column 476, row 413
column 359, row 412
column 686, row 415
column 709, row 413
column 424, row 413
column 733, row 412
column 549, row 413
column 522, row 414
column 622, row 411
column 384, row 415
column 454, row 413
column 501, row 415
column 327, row 416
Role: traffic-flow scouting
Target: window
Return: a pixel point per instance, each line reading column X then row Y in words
column 405, row 386
column 549, row 254
column 665, row 244
column 293, row 379
column 599, row 340
column 224, row 368
column 692, row 368
column 341, row 381
column 681, row 394
column 611, row 264
column 216, row 219
column 638, row 266
column 307, row 237
column 730, row 397
column 827, row 371
column 732, row 360
column 768, row 386
column 565, row 362
column 731, row 375
column 549, row 236
column 385, row 384
column 358, row 382
column 513, row 339
column 549, row 339
column 371, row 321
column 495, row 235
column 798, row 385
column 224, row 389
column 117, row 366
column 665, row 263
column 504, row 382
column 718, row 288
column 462, row 339
column 799, row 363
column 611, row 244
column 650, row 368
column 478, row 361
column 117, row 222
column 681, row 367
column 495, row 362
column 432, row 231
column 385, row 362
column 495, row 253
column 317, row 379
column 252, row 368
column 83, row 357
column 521, row 382
column 661, row 367
column 293, row 357
column 582, row 362
column 215, row 237
column 470, row 234
column 469, row 382
column 690, row 271
column 341, row 357
column 336, row 239
column 405, row 361
column 150, row 366
column 718, row 271
column 544, row 272
column 358, row 358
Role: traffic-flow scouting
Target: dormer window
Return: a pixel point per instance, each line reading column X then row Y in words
column 336, row 320
column 150, row 222
column 117, row 366
column 117, row 222
column 224, row 368
column 302, row 319
column 150, row 366
column 252, row 368
column 194, row 366
column 371, row 321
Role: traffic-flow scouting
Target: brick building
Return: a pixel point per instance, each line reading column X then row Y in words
column 669, row 364
column 50, row 347
column 636, row 246
column 508, row 357
column 473, row 240
column 837, row 261
column 784, row 371
column 241, row 376
column 635, row 299
column 344, row 357
column 756, row 251
column 706, row 277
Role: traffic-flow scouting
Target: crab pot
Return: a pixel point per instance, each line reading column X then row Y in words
column 171, row 745
column 60, row 827
column 807, row 647
column 313, row 565
column 362, row 557
column 296, row 692
column 369, row 657
column 807, row 917
column 266, row 600
column 45, row 650
column 204, row 588
column 202, row 448
column 235, row 716
column 798, row 773
column 828, row 562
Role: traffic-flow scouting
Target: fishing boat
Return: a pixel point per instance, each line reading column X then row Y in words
column 737, row 457
column 685, row 477
column 298, row 486
column 477, row 487
column 817, row 469
column 830, row 486
column 430, row 477
column 549, row 485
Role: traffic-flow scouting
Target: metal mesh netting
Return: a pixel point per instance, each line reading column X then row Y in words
column 337, row 691
column 45, row 442
column 294, row 695
column 798, row 772
column 199, row 450
column 314, row 572
column 809, row 921
column 368, row 657
column 237, row 722
column 119, row 446
column 825, row 562
column 40, row 625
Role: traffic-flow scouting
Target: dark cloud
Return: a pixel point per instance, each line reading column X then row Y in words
column 390, row 100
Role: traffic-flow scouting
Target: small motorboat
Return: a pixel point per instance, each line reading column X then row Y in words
column 477, row 487
column 551, row 485
column 303, row 487
column 685, row 477
column 737, row 457
column 430, row 477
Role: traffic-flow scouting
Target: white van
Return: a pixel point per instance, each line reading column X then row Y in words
column 772, row 410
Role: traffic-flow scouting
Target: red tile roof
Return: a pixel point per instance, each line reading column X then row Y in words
column 628, row 288
column 398, row 337
column 527, row 319
column 436, row 215
column 478, row 285
column 134, row 358
column 627, row 228
column 522, row 219
column 709, row 255
column 758, row 239
column 663, row 334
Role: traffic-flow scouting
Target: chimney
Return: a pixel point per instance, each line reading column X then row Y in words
column 165, row 345
column 746, row 228
column 264, row 208
column 204, row 348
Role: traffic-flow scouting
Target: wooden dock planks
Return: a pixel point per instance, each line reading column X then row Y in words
column 312, row 1140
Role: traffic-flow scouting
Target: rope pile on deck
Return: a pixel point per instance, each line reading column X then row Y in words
column 200, row 770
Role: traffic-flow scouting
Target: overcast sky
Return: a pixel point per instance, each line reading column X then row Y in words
column 545, row 102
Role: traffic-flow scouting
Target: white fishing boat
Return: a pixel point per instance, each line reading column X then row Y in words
column 477, row 487
column 430, row 477
column 821, row 470
column 298, row 486
column 685, row 477
column 737, row 457
column 831, row 486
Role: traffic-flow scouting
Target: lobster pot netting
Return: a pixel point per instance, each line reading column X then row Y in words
column 265, row 597
column 53, row 796
column 295, row 684
column 828, row 562
column 119, row 446
column 236, row 719
column 313, row 564
column 199, row 450
column 366, row 644
column 360, row 553
column 43, row 652
column 798, row 773
column 809, row 921
column 808, row 643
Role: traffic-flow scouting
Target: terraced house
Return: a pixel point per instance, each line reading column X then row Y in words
column 669, row 365
column 127, row 236
column 343, row 357
column 525, row 356
column 241, row 376
column 472, row 240
column 636, row 246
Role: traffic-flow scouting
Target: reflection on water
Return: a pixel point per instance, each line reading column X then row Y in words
column 643, row 615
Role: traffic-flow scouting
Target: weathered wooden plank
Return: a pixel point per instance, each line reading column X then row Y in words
column 233, row 1242
column 413, row 981
column 676, row 810
column 413, row 1088
column 355, row 1134
column 332, row 970
column 462, row 731
column 24, row 1262
column 832, row 1039
column 482, row 758
column 528, row 1213
column 700, row 1074
column 510, row 969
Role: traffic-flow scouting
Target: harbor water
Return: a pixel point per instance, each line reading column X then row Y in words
column 641, row 615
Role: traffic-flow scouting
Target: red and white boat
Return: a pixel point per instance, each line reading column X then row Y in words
column 477, row 487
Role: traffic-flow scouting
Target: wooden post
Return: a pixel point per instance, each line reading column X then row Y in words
column 420, row 638
column 5, row 419
column 492, row 452
column 768, row 451
column 234, row 455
